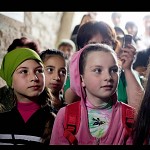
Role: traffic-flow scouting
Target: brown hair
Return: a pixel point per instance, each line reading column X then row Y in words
column 24, row 42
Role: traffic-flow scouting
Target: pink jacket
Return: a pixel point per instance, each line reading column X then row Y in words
column 113, row 136
column 116, row 131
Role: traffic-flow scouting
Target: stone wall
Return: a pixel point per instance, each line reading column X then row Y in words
column 45, row 27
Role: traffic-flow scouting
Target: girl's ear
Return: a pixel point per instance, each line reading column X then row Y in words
column 82, row 81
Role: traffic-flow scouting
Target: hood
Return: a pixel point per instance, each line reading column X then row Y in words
column 75, row 80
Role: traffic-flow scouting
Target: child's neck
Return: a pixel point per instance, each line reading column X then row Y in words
column 102, row 105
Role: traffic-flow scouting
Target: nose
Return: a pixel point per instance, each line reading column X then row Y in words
column 33, row 77
column 56, row 76
column 107, row 76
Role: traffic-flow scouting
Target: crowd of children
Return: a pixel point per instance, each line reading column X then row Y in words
column 104, row 102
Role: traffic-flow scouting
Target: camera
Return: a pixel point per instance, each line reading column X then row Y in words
column 127, row 40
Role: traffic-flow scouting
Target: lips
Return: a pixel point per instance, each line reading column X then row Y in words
column 35, row 87
column 55, row 85
column 107, row 87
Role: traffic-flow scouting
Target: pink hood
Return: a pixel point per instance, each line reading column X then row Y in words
column 75, row 81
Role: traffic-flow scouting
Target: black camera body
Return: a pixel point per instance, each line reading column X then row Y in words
column 127, row 40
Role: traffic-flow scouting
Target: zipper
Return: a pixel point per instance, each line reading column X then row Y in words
column 97, row 141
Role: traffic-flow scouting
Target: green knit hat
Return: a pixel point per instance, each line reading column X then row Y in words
column 13, row 59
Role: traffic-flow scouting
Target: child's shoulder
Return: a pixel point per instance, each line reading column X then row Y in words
column 128, row 115
column 126, row 105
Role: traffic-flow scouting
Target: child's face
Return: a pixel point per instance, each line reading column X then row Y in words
column 55, row 73
column 28, row 80
column 68, row 51
column 100, row 77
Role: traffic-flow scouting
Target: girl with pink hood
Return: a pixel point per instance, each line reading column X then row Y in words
column 94, row 74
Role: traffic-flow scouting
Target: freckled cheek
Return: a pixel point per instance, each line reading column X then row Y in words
column 90, row 82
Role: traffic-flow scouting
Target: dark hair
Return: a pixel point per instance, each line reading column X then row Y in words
column 49, row 52
column 119, row 30
column 90, row 48
column 142, row 124
column 142, row 58
column 92, row 28
column 130, row 24
column 24, row 42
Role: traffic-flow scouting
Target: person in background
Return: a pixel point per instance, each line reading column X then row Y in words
column 141, row 62
column 142, row 124
column 24, row 42
column 129, row 85
column 145, row 37
column 95, row 81
column 120, row 33
column 6, row 93
column 132, row 29
column 30, row 121
column 69, row 48
column 85, row 18
column 55, row 69
column 116, row 19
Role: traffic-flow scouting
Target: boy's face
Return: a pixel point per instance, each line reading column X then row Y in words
column 68, row 51
column 100, row 77
column 28, row 80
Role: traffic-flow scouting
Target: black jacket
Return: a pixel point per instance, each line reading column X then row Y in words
column 14, row 131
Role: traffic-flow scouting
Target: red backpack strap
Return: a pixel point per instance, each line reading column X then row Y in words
column 128, row 117
column 72, row 121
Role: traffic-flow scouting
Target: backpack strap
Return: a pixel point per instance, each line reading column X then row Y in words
column 72, row 121
column 128, row 117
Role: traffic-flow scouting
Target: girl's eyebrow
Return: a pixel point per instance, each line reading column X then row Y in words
column 48, row 66
column 22, row 67
column 103, row 66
